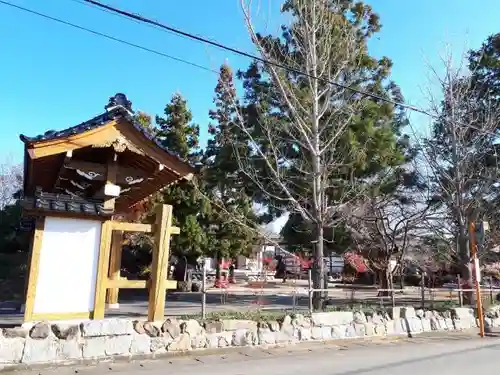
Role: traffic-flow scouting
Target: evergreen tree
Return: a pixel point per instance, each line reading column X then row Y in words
column 232, row 220
column 180, row 136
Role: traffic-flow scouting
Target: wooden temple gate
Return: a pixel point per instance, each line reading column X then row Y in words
column 78, row 183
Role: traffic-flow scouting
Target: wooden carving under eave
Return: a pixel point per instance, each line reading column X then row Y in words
column 120, row 144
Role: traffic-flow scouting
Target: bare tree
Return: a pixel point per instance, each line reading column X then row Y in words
column 387, row 225
column 462, row 158
column 11, row 178
column 310, row 162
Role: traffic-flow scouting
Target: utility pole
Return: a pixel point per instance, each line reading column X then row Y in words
column 477, row 275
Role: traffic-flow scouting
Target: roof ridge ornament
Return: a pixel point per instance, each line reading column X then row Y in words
column 119, row 100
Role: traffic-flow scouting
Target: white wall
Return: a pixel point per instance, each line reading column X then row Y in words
column 68, row 266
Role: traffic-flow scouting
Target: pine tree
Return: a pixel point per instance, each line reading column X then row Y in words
column 232, row 218
column 180, row 136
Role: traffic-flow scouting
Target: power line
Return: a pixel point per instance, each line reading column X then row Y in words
column 109, row 37
column 174, row 58
column 219, row 45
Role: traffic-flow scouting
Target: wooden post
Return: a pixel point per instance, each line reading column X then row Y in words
column 479, row 302
column 163, row 230
column 102, row 271
column 111, row 172
column 115, row 262
column 36, row 245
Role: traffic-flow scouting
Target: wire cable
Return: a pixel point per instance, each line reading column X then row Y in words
column 109, row 37
column 204, row 40
column 219, row 45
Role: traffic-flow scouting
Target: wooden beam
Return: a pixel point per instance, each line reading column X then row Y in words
column 67, row 158
column 150, row 148
column 131, row 227
column 99, row 135
column 123, row 283
column 124, row 175
column 156, row 305
column 115, row 263
column 36, row 246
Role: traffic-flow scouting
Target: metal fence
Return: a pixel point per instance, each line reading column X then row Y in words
column 297, row 296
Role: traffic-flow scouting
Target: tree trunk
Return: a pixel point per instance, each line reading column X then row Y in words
column 465, row 268
column 318, row 273
column 385, row 282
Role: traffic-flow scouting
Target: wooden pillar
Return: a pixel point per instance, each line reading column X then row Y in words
column 36, row 245
column 111, row 173
column 115, row 262
column 163, row 230
column 102, row 271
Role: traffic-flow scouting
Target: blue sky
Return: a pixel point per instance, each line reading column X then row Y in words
column 53, row 76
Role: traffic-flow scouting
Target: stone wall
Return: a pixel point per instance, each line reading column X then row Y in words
column 48, row 343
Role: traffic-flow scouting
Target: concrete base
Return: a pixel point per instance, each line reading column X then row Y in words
column 112, row 306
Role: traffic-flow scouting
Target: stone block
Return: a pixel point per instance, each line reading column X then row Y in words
column 139, row 327
column 244, row 337
column 151, row 330
column 159, row 344
column 437, row 323
column 408, row 312
column 395, row 312
column 414, row 325
column 369, row 329
column 359, row 317
column 11, row 349
column 304, row 333
column 334, row 318
column 118, row 345
column 107, row 327
column 171, row 328
column 94, row 348
column 69, row 350
column 426, row 324
column 40, row 331
column 350, row 332
column 180, row 344
column 339, row 332
column 360, row 329
column 213, row 340
column 194, row 328
column 199, row 341
column 66, row 331
column 213, row 327
column 233, row 325
column 225, row 339
column 266, row 336
column 449, row 324
column 16, row 332
column 495, row 322
column 380, row 329
column 141, row 344
column 40, row 351
column 396, row 327
column 463, row 313
column 301, row 321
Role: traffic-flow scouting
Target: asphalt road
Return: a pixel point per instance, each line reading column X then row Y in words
column 437, row 355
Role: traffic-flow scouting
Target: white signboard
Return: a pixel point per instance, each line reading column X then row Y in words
column 68, row 266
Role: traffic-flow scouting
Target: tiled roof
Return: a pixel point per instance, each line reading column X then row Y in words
column 118, row 107
column 48, row 202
